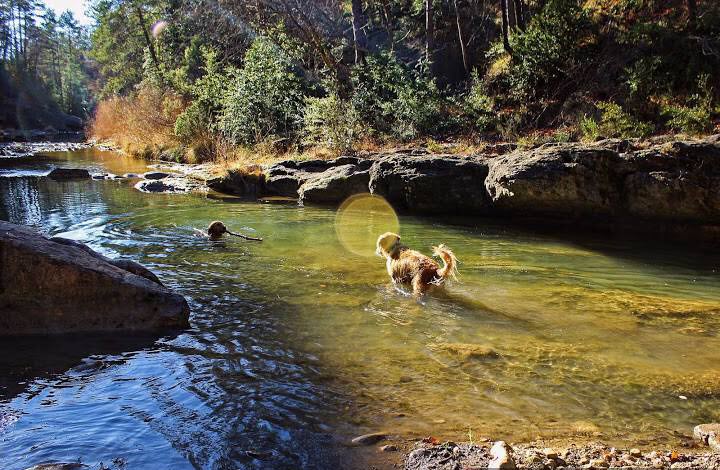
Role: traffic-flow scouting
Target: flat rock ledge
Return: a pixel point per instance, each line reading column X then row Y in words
column 52, row 286
column 499, row 455
column 665, row 182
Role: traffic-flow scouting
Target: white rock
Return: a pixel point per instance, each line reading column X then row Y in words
column 501, row 456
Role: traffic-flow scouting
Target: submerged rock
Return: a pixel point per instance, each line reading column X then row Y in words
column 58, row 466
column 369, row 439
column 466, row 351
column 61, row 174
column 168, row 185
column 53, row 286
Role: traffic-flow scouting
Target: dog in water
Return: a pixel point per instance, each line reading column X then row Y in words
column 217, row 229
column 407, row 266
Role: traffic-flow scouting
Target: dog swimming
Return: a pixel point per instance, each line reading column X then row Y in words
column 406, row 266
column 217, row 229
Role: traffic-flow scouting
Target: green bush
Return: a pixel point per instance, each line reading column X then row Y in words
column 208, row 94
column 330, row 122
column 696, row 116
column 478, row 107
column 550, row 50
column 418, row 110
column 394, row 100
column 267, row 99
column 614, row 122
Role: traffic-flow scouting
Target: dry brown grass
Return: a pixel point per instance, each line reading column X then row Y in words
column 142, row 124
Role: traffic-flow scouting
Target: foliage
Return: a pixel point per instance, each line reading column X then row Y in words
column 208, row 95
column 141, row 124
column 696, row 116
column 477, row 107
column 44, row 72
column 395, row 100
column 330, row 122
column 614, row 122
column 303, row 73
column 267, row 98
column 551, row 50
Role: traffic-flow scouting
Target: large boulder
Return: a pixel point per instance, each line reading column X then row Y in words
column 569, row 180
column 238, row 183
column 432, row 184
column 282, row 180
column 334, row 185
column 677, row 181
column 52, row 286
column 287, row 177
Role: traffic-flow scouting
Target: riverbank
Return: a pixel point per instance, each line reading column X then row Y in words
column 664, row 186
column 552, row 455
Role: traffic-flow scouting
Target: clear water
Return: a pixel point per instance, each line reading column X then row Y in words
column 298, row 344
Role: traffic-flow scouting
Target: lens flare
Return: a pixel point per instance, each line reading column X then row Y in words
column 361, row 219
column 159, row 27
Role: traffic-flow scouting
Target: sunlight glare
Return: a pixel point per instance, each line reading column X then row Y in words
column 359, row 221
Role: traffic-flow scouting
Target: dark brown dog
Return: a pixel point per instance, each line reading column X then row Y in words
column 217, row 229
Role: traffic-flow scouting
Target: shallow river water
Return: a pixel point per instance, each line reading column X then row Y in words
column 298, row 343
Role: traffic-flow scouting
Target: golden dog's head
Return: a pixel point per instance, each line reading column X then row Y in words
column 386, row 243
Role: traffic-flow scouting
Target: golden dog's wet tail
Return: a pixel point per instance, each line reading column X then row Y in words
column 449, row 269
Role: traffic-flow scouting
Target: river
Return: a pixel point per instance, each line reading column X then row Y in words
column 298, row 343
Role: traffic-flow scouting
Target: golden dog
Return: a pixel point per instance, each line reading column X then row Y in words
column 407, row 266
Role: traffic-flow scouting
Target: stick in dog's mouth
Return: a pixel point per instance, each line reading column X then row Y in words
column 217, row 229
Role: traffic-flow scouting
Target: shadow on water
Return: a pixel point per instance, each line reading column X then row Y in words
column 36, row 358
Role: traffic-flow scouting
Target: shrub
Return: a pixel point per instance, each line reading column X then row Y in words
column 395, row 100
column 267, row 99
column 417, row 110
column 330, row 122
column 141, row 124
column 208, row 93
column 550, row 49
column 696, row 116
column 614, row 122
column 478, row 107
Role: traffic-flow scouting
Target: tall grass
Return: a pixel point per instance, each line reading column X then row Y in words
column 141, row 124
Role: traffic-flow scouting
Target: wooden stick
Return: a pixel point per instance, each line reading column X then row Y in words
column 244, row 236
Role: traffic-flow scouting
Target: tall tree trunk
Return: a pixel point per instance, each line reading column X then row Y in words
column 505, row 26
column 429, row 30
column 146, row 34
column 692, row 13
column 466, row 65
column 359, row 38
column 519, row 14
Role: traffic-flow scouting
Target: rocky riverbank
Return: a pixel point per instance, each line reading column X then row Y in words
column 26, row 149
column 543, row 456
column 663, row 185
column 660, row 184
